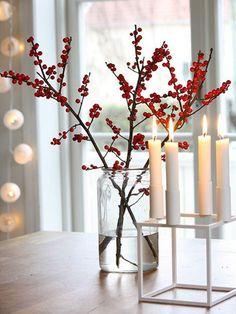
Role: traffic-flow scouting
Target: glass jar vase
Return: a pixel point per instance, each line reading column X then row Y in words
column 122, row 201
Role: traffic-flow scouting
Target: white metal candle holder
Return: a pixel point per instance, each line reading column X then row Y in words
column 155, row 296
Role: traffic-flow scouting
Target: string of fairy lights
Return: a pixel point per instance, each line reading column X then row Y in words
column 13, row 120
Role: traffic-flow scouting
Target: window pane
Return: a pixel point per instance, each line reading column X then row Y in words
column 107, row 39
column 228, row 46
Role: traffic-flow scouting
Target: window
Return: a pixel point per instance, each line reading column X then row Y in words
column 227, row 103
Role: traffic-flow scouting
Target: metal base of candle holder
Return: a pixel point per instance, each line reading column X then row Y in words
column 208, row 289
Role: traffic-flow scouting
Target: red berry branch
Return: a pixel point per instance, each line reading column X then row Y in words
column 176, row 104
column 50, row 86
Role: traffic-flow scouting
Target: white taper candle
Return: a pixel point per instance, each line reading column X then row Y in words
column 172, row 179
column 204, row 172
column 156, row 188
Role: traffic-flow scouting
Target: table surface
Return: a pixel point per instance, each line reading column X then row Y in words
column 58, row 272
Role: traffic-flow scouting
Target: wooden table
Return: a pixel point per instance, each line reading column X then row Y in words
column 52, row 272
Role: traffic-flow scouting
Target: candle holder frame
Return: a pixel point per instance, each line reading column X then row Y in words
column 154, row 296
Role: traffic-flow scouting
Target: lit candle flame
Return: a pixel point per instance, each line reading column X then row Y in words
column 220, row 127
column 204, row 125
column 171, row 130
column 154, row 128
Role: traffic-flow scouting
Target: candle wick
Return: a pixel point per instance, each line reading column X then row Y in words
column 154, row 139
